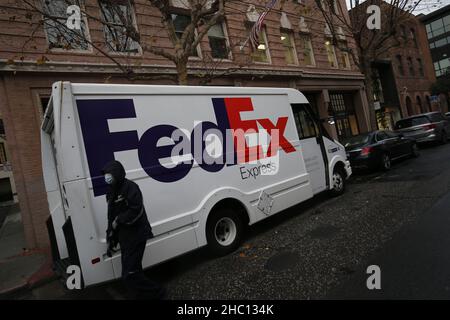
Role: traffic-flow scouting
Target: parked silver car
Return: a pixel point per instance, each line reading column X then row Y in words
column 425, row 127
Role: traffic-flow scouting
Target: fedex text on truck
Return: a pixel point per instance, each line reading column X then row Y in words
column 231, row 129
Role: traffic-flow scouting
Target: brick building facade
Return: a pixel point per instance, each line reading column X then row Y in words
column 295, row 53
column 404, row 73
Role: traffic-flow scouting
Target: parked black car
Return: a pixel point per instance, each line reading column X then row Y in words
column 425, row 127
column 378, row 149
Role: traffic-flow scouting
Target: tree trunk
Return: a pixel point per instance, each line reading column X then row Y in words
column 368, row 80
column 182, row 74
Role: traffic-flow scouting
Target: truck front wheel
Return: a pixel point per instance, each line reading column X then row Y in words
column 338, row 182
column 224, row 231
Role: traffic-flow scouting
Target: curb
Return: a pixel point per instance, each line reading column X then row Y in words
column 41, row 277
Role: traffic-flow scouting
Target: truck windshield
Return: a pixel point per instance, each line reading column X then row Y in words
column 411, row 122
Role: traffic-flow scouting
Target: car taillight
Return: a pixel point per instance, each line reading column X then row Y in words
column 366, row 150
column 429, row 126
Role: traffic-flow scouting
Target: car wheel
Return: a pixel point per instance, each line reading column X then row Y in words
column 338, row 183
column 224, row 231
column 415, row 150
column 444, row 137
column 385, row 162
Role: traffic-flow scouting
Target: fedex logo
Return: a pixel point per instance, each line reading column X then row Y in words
column 230, row 134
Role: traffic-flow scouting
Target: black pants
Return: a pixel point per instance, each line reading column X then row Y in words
column 138, row 285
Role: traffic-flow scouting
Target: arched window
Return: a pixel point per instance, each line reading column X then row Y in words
column 419, row 105
column 409, row 107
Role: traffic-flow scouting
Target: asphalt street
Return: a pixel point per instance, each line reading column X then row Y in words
column 398, row 220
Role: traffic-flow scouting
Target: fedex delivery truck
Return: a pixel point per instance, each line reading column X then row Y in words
column 209, row 161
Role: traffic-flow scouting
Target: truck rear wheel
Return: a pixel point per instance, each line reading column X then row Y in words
column 224, row 231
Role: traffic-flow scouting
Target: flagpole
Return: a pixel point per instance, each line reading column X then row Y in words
column 244, row 44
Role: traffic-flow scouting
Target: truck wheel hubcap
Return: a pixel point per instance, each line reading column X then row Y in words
column 225, row 231
column 337, row 182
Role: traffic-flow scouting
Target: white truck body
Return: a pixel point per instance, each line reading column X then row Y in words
column 86, row 125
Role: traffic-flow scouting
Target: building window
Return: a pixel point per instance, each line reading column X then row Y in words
column 308, row 53
column 442, row 67
column 413, row 37
column 401, row 70
column 331, row 54
column 59, row 36
column 218, row 42
column 420, row 64
column 345, row 61
column 261, row 52
column 343, row 110
column 410, row 66
column 403, row 32
column 180, row 23
column 3, row 158
column 335, row 6
column 290, row 54
column 438, row 27
column 118, row 14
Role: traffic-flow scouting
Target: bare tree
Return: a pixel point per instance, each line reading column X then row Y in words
column 371, row 44
column 185, row 24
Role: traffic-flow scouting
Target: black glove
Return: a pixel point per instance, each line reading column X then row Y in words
column 112, row 240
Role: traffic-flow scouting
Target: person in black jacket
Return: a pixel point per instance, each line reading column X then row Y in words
column 128, row 226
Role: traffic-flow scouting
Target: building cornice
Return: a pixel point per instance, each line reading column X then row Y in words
column 158, row 70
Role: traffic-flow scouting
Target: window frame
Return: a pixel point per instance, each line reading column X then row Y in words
column 198, row 49
column 334, row 54
column 227, row 41
column 290, row 34
column 400, row 67
column 134, row 21
column 421, row 70
column 411, row 70
column 306, row 39
column 266, row 43
column 89, row 50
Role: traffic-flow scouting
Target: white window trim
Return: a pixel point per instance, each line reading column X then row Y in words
column 266, row 42
column 227, row 39
column 347, row 60
column 291, row 37
column 90, row 49
column 199, row 50
column 334, row 56
column 313, row 59
column 127, row 54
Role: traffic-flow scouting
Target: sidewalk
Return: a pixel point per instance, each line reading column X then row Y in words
column 20, row 268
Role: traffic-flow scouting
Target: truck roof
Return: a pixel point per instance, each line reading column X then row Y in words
column 295, row 96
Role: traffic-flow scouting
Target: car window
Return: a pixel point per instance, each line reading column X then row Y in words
column 436, row 117
column 356, row 141
column 382, row 136
column 411, row 122
column 391, row 134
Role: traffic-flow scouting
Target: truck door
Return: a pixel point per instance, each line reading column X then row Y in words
column 311, row 143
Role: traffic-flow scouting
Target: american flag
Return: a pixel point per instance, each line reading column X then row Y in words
column 254, row 34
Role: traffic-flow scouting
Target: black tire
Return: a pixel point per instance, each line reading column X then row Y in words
column 337, row 182
column 216, row 228
column 385, row 162
column 444, row 137
column 415, row 150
